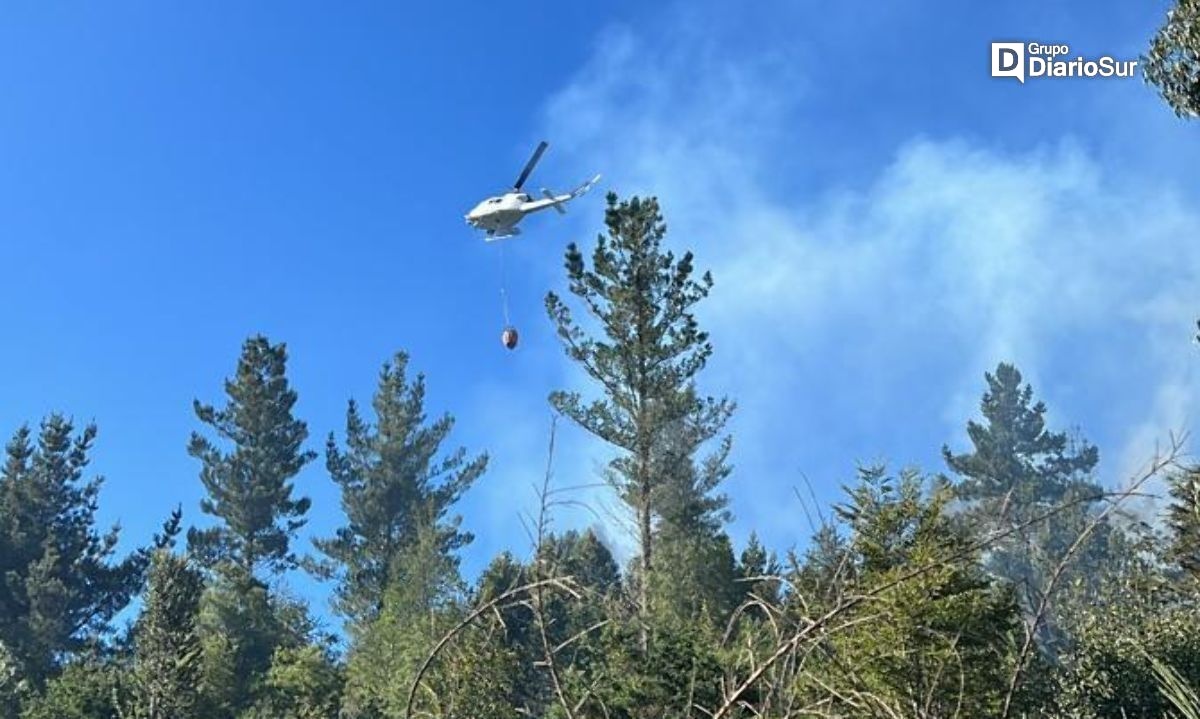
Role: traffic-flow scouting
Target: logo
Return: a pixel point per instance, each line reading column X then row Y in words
column 1008, row 60
column 1023, row 60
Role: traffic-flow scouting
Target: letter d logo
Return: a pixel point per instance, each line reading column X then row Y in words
column 1008, row 60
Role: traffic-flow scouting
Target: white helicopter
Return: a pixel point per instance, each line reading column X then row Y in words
column 498, row 216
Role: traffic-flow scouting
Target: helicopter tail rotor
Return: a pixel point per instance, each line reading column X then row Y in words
column 558, row 205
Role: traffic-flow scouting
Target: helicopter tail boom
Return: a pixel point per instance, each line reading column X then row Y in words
column 578, row 191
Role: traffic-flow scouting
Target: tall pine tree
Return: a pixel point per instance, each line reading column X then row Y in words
column 1035, row 487
column 395, row 489
column 396, row 557
column 645, row 359
column 250, row 486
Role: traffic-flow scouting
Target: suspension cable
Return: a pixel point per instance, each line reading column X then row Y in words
column 504, row 284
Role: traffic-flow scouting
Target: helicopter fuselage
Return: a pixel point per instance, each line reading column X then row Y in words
column 499, row 214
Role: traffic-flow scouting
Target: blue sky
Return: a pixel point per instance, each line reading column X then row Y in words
column 884, row 221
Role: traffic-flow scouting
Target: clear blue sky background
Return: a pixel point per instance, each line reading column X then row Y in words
column 884, row 220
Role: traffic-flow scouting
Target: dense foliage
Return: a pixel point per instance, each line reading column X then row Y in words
column 1172, row 64
column 1015, row 585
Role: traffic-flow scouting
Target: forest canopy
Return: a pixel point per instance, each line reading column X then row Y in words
column 1008, row 581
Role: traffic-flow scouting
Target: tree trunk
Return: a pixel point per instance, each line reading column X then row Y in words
column 644, row 586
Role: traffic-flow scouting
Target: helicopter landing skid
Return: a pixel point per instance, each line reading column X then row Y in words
column 502, row 234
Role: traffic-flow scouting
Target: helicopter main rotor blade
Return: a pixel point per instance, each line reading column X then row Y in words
column 537, row 155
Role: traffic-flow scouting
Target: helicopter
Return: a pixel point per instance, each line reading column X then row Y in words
column 498, row 216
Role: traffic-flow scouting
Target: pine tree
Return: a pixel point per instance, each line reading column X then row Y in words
column 570, row 622
column 756, row 571
column 1183, row 516
column 302, row 683
column 395, row 491
column 167, row 651
column 939, row 642
column 1183, row 519
column 86, row 689
column 645, row 359
column 695, row 577
column 59, row 585
column 1018, row 473
column 474, row 676
column 244, row 624
column 1173, row 64
column 697, row 568
column 584, row 558
column 1014, row 454
column 822, row 571
column 250, row 487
